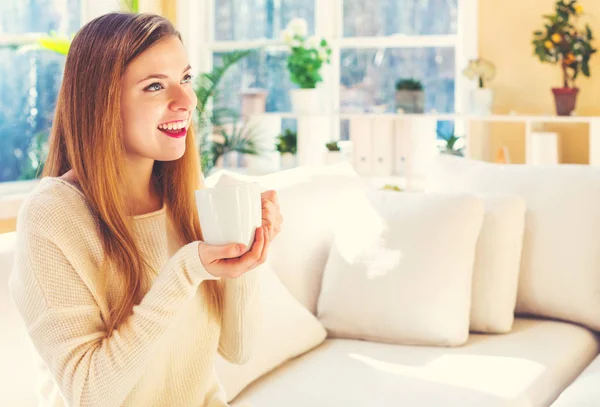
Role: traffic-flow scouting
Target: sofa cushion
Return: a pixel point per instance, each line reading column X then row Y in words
column 310, row 198
column 287, row 330
column 497, row 264
column 401, row 272
column 559, row 275
column 17, row 372
column 585, row 390
column 528, row 367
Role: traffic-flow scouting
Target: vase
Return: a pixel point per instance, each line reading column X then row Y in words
column 254, row 101
column 288, row 160
column 306, row 101
column 410, row 101
column 333, row 157
column 565, row 100
column 482, row 100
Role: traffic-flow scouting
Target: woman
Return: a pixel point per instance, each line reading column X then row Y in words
column 123, row 302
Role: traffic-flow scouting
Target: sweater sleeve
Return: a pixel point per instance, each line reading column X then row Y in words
column 66, row 326
column 240, row 316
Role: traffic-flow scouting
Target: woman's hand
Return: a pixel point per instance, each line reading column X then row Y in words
column 230, row 261
column 271, row 215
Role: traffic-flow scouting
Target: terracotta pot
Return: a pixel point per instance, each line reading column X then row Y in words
column 565, row 99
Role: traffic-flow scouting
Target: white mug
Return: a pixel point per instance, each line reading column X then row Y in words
column 229, row 214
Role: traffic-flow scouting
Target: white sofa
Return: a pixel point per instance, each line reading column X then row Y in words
column 541, row 362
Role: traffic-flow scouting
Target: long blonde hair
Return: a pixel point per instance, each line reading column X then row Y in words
column 86, row 137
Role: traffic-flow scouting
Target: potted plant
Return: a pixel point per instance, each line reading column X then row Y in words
column 287, row 147
column 410, row 97
column 482, row 98
column 562, row 42
column 449, row 143
column 333, row 154
column 307, row 56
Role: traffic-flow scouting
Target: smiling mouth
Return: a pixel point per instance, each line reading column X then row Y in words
column 174, row 130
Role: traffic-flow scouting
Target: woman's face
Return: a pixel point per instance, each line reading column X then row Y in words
column 157, row 102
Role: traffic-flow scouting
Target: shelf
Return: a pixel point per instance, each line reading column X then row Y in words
column 510, row 118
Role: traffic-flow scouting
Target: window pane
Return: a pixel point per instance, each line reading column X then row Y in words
column 254, row 19
column 18, row 16
column 263, row 69
column 409, row 17
column 29, row 84
column 368, row 77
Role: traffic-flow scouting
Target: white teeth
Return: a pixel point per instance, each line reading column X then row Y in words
column 174, row 125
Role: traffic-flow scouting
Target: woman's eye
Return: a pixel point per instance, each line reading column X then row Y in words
column 187, row 78
column 154, row 87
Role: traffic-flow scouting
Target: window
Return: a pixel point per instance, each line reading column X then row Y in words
column 374, row 42
column 29, row 81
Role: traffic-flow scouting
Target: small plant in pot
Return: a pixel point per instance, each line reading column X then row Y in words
column 333, row 154
column 410, row 97
column 449, row 143
column 287, row 147
column 307, row 57
column 482, row 98
column 562, row 42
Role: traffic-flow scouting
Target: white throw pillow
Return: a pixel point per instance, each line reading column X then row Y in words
column 497, row 264
column 560, row 266
column 287, row 330
column 312, row 201
column 402, row 272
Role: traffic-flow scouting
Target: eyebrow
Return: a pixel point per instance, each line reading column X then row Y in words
column 161, row 76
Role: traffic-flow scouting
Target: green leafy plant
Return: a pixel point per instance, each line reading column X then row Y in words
column 36, row 157
column 287, row 142
column 562, row 42
column 450, row 140
column 131, row 5
column 220, row 129
column 409, row 84
column 307, row 54
column 332, row 146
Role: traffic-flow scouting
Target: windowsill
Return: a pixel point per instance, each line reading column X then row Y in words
column 12, row 195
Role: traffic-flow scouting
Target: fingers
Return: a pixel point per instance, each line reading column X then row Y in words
column 263, row 255
column 214, row 253
column 272, row 196
column 271, row 218
column 247, row 261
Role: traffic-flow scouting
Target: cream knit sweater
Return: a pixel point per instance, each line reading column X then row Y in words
column 163, row 354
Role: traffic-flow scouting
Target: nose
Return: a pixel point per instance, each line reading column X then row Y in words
column 183, row 99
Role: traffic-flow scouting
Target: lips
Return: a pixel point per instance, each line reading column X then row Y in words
column 175, row 133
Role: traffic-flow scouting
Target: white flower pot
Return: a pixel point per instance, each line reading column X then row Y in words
column 306, row 101
column 333, row 157
column 288, row 160
column 482, row 100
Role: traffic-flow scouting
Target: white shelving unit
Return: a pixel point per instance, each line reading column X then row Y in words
column 400, row 145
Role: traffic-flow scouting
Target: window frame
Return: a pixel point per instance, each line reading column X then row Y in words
column 196, row 23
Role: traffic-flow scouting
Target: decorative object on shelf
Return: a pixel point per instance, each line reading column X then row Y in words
column 449, row 143
column 254, row 101
column 482, row 98
column 503, row 155
column 333, row 155
column 562, row 42
column 410, row 97
column 288, row 147
column 307, row 56
column 390, row 187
